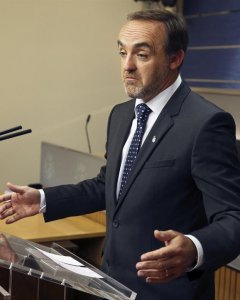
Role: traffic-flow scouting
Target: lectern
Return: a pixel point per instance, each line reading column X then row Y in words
column 32, row 271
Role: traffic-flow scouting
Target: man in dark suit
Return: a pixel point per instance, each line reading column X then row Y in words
column 173, row 210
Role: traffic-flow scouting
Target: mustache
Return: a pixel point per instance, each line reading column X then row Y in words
column 127, row 75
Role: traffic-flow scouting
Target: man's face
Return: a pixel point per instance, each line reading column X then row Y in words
column 145, row 67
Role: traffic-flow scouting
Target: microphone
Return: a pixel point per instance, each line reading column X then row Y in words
column 6, row 134
column 86, row 130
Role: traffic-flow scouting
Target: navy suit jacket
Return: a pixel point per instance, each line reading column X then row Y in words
column 186, row 178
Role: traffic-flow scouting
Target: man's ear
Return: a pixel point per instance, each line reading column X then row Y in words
column 176, row 59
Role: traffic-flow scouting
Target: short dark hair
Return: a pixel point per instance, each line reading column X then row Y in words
column 177, row 35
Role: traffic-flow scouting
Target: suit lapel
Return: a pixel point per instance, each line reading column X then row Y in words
column 120, row 132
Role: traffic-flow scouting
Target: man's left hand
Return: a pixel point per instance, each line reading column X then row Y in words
column 169, row 262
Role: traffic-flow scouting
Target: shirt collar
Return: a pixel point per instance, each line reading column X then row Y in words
column 158, row 102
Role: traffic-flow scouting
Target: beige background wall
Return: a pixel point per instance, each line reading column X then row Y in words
column 228, row 102
column 58, row 63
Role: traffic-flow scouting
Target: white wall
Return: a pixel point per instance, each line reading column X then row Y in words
column 58, row 63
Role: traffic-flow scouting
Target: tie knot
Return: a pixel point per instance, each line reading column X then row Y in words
column 143, row 112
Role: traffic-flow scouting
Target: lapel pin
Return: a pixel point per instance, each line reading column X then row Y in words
column 154, row 139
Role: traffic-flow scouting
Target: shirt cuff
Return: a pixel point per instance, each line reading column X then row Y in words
column 200, row 253
column 42, row 202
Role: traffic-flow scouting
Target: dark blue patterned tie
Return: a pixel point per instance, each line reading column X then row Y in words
column 143, row 112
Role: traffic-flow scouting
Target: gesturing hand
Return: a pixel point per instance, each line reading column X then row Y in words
column 168, row 262
column 22, row 202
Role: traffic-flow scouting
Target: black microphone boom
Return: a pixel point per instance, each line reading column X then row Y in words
column 86, row 130
column 5, row 136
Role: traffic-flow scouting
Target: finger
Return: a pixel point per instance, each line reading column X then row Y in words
column 167, row 276
column 7, row 213
column 156, row 280
column 7, row 205
column 5, row 197
column 159, row 279
column 165, row 236
column 157, row 266
column 162, row 254
column 13, row 219
column 151, row 273
column 16, row 188
column 154, row 264
column 157, row 276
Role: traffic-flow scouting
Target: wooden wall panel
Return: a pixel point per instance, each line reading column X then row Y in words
column 227, row 284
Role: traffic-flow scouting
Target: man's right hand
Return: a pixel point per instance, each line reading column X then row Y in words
column 23, row 201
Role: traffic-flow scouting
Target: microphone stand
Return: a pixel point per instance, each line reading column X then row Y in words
column 7, row 133
column 86, row 130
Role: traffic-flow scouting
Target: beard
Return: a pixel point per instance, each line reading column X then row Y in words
column 136, row 89
column 140, row 91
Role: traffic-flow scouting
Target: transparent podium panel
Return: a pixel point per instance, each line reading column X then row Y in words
column 57, row 265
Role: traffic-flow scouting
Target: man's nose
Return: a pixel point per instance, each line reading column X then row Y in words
column 129, row 64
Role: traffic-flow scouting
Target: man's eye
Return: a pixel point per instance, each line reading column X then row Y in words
column 122, row 53
column 142, row 55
